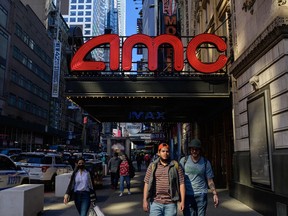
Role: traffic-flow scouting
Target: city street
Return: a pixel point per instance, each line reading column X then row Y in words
column 111, row 204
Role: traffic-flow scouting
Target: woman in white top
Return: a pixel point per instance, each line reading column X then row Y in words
column 80, row 187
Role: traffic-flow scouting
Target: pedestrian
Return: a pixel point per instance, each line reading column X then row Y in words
column 139, row 162
column 147, row 159
column 163, row 185
column 113, row 166
column 80, row 188
column 198, row 176
column 124, row 171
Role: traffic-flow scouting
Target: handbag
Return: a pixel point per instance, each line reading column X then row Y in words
column 95, row 211
column 93, row 196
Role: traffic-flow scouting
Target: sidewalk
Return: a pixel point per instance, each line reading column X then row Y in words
column 130, row 205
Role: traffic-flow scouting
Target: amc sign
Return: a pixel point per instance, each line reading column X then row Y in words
column 79, row 63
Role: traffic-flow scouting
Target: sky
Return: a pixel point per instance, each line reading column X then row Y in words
column 131, row 16
column 131, row 23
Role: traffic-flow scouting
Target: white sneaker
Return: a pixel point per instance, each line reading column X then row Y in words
column 129, row 192
column 121, row 194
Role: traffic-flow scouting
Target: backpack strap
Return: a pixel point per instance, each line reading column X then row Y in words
column 176, row 164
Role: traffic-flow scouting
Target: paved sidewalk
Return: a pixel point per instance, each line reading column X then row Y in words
column 131, row 205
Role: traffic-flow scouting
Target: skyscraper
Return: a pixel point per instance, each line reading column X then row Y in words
column 94, row 17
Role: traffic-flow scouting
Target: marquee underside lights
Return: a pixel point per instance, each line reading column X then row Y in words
column 79, row 64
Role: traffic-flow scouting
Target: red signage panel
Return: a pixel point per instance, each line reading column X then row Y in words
column 79, row 63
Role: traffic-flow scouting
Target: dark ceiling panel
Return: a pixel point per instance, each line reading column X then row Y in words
column 143, row 99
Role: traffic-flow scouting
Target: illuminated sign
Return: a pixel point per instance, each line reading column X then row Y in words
column 79, row 63
column 147, row 116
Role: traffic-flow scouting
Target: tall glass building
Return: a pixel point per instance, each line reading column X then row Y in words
column 94, row 17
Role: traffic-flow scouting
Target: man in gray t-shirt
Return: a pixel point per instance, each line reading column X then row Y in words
column 198, row 173
column 113, row 166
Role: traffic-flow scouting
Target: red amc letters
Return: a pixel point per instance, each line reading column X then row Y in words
column 78, row 62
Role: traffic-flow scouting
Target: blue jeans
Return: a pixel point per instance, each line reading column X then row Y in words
column 82, row 202
column 195, row 205
column 122, row 179
column 158, row 209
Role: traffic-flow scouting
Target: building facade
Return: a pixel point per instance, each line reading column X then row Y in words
column 256, row 33
column 260, row 105
column 27, row 56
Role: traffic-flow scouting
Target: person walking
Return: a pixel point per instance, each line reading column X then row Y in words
column 163, row 185
column 147, row 160
column 80, row 188
column 139, row 162
column 113, row 166
column 198, row 173
column 124, row 170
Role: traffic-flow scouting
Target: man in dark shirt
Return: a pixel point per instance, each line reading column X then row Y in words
column 163, row 197
column 113, row 166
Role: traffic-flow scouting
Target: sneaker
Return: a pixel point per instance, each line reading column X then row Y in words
column 129, row 192
column 121, row 194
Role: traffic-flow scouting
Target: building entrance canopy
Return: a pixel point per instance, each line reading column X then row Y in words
column 162, row 95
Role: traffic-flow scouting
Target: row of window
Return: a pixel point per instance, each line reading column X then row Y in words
column 21, row 57
column 32, row 45
column 80, row 1
column 80, row 19
column 81, row 8
column 29, row 86
column 86, row 25
column 27, row 106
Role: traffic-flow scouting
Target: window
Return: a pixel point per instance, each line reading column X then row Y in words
column 12, row 100
column 80, row 7
column 80, row 19
column 87, row 32
column 58, row 160
column 21, row 80
column 28, row 106
column 24, row 59
column 259, row 119
column 47, row 160
column 6, row 164
column 87, row 19
column 25, row 38
column 72, row 19
column 3, row 46
column 29, row 64
column 21, row 103
column 87, row 25
column 73, row 7
column 14, row 76
column 31, row 44
column 80, row 13
column 87, row 13
column 3, row 16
